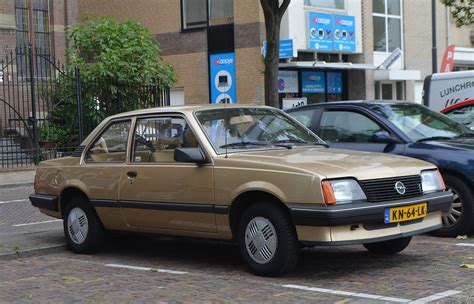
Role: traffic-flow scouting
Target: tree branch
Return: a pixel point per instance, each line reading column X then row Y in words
column 283, row 8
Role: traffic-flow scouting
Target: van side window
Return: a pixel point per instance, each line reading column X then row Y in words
column 111, row 145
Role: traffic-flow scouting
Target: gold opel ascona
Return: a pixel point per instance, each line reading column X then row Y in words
column 244, row 173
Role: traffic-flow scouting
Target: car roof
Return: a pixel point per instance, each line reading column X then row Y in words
column 350, row 102
column 185, row 109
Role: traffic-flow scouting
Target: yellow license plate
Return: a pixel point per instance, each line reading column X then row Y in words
column 407, row 213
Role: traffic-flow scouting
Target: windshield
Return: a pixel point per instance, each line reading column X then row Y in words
column 253, row 128
column 419, row 122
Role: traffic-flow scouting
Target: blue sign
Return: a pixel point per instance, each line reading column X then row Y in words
column 313, row 82
column 286, row 49
column 334, row 82
column 344, row 33
column 222, row 78
column 320, row 31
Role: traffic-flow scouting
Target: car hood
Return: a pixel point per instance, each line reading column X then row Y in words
column 463, row 144
column 331, row 163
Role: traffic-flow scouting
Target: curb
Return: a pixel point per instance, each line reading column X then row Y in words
column 32, row 252
column 14, row 185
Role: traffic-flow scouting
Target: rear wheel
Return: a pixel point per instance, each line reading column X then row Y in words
column 460, row 217
column 82, row 227
column 267, row 240
column 388, row 247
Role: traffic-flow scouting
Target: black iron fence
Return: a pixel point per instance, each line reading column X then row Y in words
column 46, row 109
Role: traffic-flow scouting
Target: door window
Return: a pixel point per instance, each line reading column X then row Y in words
column 155, row 139
column 345, row 126
column 111, row 145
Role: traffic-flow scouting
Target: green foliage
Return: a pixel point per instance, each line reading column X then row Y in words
column 120, row 70
column 124, row 53
column 462, row 10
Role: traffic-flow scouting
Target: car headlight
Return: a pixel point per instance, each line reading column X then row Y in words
column 432, row 181
column 342, row 191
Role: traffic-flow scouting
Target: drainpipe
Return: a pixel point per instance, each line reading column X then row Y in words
column 434, row 53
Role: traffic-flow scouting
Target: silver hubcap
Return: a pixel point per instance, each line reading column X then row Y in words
column 453, row 216
column 77, row 225
column 261, row 240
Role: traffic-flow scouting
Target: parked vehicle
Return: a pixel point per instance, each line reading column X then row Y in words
column 405, row 129
column 442, row 90
column 243, row 173
column 462, row 112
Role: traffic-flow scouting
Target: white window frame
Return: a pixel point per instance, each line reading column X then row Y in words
column 312, row 7
column 386, row 16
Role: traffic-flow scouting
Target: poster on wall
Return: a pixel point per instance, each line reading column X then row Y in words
column 313, row 82
column 287, row 82
column 344, row 33
column 334, row 82
column 320, row 31
column 222, row 78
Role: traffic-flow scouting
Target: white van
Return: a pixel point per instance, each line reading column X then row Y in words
column 442, row 90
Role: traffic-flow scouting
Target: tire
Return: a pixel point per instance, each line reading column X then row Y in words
column 86, row 233
column 464, row 204
column 267, row 240
column 388, row 247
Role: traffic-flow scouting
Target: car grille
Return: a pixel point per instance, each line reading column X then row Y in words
column 379, row 190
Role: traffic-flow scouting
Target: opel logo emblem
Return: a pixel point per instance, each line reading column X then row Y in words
column 400, row 187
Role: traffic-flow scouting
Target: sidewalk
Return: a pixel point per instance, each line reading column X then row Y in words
column 17, row 178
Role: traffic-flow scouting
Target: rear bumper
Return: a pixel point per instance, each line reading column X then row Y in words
column 368, row 214
column 46, row 202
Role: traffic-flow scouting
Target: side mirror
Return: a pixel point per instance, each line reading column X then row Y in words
column 384, row 137
column 189, row 155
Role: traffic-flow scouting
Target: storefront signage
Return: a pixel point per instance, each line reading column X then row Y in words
column 320, row 31
column 222, row 78
column 287, row 49
column 334, row 82
column 329, row 32
column 344, row 33
column 313, row 82
column 287, row 82
column 290, row 103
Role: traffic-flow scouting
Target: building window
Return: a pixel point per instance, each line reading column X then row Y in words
column 332, row 4
column 41, row 35
column 202, row 13
column 387, row 24
column 390, row 90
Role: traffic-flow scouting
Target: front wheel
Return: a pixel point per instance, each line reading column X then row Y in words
column 82, row 227
column 388, row 247
column 459, row 219
column 267, row 240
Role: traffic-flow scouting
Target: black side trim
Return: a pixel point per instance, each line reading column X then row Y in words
column 48, row 202
column 362, row 213
column 201, row 208
column 78, row 151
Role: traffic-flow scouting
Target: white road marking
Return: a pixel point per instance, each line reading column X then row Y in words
column 436, row 296
column 14, row 201
column 347, row 293
column 146, row 269
column 465, row 244
column 36, row 223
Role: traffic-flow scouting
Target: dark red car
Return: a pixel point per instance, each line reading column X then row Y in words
column 462, row 112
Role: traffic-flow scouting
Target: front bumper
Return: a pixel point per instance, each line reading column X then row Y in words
column 360, row 223
column 363, row 212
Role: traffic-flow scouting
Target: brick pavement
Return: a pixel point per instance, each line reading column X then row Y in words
column 215, row 274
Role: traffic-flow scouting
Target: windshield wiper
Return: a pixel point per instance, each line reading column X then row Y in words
column 243, row 144
column 298, row 141
column 465, row 135
column 434, row 138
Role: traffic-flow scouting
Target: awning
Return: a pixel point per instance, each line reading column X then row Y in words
column 381, row 75
column 327, row 65
column 464, row 56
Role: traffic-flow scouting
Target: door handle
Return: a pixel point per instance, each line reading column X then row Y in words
column 132, row 174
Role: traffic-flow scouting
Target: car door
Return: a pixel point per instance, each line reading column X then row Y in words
column 353, row 129
column 101, row 171
column 158, row 193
